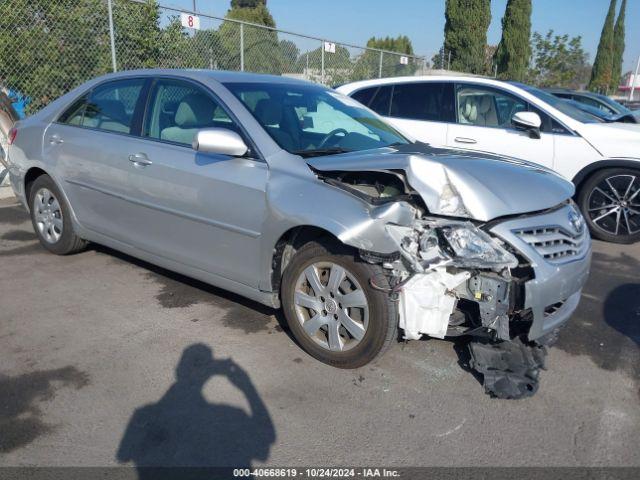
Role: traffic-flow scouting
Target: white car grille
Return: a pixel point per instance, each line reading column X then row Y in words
column 555, row 243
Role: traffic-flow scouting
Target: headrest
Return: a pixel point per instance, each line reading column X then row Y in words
column 484, row 105
column 469, row 110
column 113, row 109
column 195, row 110
column 268, row 112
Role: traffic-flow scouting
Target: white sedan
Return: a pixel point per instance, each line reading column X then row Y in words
column 602, row 159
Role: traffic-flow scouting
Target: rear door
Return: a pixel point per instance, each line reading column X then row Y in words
column 422, row 109
column 90, row 144
column 483, row 123
column 202, row 210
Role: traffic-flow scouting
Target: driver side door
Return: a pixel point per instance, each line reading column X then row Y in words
column 483, row 123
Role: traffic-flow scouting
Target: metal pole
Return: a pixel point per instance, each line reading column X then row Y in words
column 449, row 62
column 380, row 66
column 242, row 47
column 112, row 37
column 634, row 79
column 322, row 59
column 306, row 72
column 194, row 6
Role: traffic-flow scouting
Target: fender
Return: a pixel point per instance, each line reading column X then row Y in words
column 582, row 175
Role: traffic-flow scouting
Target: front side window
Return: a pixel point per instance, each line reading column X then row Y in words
column 179, row 109
column 430, row 101
column 310, row 120
column 365, row 95
column 595, row 104
column 111, row 106
column 487, row 107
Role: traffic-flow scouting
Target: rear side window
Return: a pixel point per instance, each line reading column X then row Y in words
column 381, row 101
column 423, row 101
column 73, row 115
column 365, row 95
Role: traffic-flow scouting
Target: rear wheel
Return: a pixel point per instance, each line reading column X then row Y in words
column 51, row 218
column 331, row 308
column 610, row 202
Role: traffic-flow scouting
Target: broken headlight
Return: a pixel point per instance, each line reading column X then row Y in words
column 471, row 247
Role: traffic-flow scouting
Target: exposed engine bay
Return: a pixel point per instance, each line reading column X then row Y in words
column 452, row 278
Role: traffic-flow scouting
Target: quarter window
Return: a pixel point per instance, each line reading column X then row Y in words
column 180, row 109
column 429, row 101
column 381, row 101
column 365, row 95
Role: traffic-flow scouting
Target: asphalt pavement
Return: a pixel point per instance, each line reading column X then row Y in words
column 107, row 360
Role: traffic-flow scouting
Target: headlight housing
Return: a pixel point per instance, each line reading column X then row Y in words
column 471, row 247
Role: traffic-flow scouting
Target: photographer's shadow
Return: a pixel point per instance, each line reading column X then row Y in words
column 183, row 429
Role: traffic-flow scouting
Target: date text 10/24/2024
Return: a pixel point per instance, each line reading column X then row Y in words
column 317, row 472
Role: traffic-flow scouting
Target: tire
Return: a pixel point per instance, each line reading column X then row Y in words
column 610, row 202
column 51, row 218
column 375, row 324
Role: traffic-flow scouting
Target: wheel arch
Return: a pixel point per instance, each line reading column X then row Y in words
column 290, row 242
column 29, row 177
column 580, row 178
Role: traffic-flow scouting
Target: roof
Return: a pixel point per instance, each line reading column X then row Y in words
column 222, row 76
column 350, row 87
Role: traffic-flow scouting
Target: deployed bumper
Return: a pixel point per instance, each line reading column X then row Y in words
column 558, row 247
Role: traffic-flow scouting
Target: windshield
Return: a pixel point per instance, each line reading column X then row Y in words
column 559, row 104
column 615, row 106
column 312, row 121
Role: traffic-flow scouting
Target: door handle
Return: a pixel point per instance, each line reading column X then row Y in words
column 139, row 159
column 465, row 140
column 55, row 139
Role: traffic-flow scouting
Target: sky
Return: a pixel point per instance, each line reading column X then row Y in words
column 355, row 21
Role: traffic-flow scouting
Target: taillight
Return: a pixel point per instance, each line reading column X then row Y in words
column 13, row 133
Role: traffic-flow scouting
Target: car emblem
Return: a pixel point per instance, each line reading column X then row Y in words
column 576, row 220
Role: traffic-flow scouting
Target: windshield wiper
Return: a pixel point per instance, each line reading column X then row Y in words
column 318, row 152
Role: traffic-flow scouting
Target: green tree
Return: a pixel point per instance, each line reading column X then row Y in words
column 290, row 53
column 618, row 48
column 47, row 48
column 558, row 61
column 137, row 34
column 368, row 64
column 514, row 50
column 602, row 65
column 465, row 33
column 261, row 47
column 247, row 3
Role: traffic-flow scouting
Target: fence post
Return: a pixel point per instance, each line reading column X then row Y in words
column 322, row 60
column 380, row 65
column 112, row 37
column 242, row 47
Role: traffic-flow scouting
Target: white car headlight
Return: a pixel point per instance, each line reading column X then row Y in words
column 474, row 248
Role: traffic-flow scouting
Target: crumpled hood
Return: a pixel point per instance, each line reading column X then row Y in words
column 613, row 139
column 489, row 186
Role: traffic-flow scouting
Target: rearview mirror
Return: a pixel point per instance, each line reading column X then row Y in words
column 220, row 141
column 529, row 121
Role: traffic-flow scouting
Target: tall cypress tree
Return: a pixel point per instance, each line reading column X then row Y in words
column 601, row 73
column 618, row 48
column 465, row 34
column 514, row 49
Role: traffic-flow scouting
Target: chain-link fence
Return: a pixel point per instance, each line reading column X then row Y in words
column 47, row 47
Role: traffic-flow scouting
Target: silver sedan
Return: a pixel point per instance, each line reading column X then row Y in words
column 298, row 197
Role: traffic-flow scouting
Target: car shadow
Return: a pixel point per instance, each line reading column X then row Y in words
column 622, row 310
column 182, row 291
column 183, row 435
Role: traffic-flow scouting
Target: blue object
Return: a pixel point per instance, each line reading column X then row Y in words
column 19, row 103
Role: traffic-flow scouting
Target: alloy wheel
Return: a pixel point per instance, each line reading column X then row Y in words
column 614, row 205
column 331, row 306
column 48, row 215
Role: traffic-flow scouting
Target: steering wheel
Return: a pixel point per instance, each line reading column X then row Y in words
column 330, row 135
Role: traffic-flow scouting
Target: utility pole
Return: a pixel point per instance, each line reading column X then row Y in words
column 634, row 80
column 112, row 37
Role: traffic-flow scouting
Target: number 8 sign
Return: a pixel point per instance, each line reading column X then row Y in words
column 190, row 21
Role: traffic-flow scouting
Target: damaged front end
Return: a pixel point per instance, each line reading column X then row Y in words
column 453, row 278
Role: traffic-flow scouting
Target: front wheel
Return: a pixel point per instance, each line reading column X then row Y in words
column 332, row 310
column 610, row 202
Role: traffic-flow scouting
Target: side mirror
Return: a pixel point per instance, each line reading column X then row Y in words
column 220, row 141
column 529, row 121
